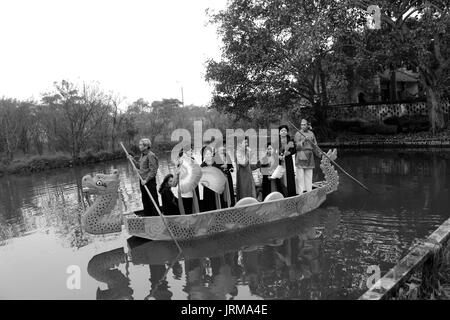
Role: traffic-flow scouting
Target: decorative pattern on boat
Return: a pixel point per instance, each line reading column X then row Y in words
column 136, row 225
column 208, row 223
column 331, row 175
column 98, row 218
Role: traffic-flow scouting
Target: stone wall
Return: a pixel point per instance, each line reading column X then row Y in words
column 380, row 112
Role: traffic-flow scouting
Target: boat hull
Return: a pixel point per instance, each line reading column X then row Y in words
column 143, row 251
column 186, row 227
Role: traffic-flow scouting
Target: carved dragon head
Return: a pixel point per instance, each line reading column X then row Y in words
column 101, row 184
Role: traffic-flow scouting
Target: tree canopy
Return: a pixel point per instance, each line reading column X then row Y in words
column 278, row 55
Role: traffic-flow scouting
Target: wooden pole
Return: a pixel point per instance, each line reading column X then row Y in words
column 338, row 166
column 180, row 200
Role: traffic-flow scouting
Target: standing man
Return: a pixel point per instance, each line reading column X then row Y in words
column 304, row 159
column 148, row 167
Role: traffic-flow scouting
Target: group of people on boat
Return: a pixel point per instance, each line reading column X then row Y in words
column 303, row 145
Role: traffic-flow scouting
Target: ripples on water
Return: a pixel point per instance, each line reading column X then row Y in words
column 323, row 255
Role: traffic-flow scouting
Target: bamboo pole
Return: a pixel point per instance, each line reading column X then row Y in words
column 151, row 197
column 338, row 166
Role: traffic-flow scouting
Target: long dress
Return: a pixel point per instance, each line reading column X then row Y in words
column 286, row 184
column 268, row 165
column 245, row 185
column 209, row 197
column 226, row 166
column 188, row 198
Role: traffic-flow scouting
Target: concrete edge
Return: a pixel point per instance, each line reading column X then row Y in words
column 394, row 278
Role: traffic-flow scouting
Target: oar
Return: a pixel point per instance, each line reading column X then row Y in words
column 338, row 166
column 151, row 197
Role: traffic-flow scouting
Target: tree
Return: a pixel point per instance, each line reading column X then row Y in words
column 416, row 35
column 116, row 100
column 11, row 126
column 77, row 114
column 274, row 53
column 156, row 118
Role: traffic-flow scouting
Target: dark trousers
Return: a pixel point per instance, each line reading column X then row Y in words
column 149, row 208
column 187, row 203
column 281, row 188
column 266, row 187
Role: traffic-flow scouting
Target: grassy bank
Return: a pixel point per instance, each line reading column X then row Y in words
column 37, row 163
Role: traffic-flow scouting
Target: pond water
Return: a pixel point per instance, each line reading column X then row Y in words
column 322, row 255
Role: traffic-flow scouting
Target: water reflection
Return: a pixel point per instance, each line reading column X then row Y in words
column 102, row 268
column 280, row 260
column 42, row 212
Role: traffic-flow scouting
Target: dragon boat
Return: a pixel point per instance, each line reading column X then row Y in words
column 246, row 213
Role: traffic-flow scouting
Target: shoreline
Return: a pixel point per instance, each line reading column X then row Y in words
column 389, row 143
column 42, row 163
column 36, row 163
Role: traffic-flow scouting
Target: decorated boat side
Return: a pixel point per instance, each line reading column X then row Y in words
column 247, row 212
column 142, row 251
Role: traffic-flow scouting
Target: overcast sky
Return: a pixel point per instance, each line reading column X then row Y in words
column 138, row 48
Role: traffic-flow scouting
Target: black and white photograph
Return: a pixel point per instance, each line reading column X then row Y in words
column 239, row 151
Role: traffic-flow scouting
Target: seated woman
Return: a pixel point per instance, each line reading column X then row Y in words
column 209, row 196
column 169, row 202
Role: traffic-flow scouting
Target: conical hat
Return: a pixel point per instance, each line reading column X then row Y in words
column 213, row 179
column 190, row 174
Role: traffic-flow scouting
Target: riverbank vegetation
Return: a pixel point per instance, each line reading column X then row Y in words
column 76, row 124
column 430, row 283
column 285, row 55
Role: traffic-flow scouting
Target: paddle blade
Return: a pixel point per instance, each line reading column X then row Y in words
column 213, row 179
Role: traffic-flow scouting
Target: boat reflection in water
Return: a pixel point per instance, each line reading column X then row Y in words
column 274, row 261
